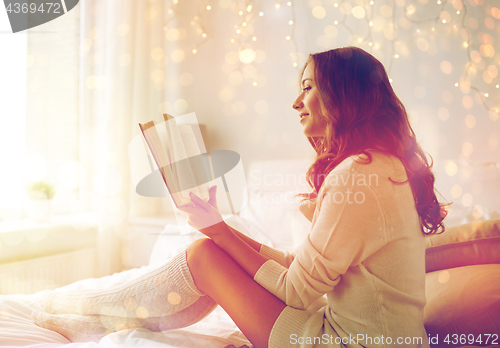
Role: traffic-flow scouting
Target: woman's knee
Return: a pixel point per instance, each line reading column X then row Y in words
column 199, row 252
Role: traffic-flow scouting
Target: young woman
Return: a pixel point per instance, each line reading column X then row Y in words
column 371, row 205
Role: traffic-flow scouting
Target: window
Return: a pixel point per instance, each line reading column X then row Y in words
column 13, row 62
column 40, row 125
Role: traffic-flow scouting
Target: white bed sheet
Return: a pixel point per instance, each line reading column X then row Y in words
column 17, row 329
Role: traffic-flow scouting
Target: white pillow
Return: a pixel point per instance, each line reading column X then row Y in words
column 272, row 205
column 275, row 215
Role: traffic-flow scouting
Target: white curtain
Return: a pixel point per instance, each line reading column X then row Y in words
column 122, row 83
column 95, row 79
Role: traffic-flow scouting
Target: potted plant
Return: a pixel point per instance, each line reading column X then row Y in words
column 40, row 195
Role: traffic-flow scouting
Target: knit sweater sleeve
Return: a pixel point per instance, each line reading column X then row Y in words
column 284, row 258
column 348, row 228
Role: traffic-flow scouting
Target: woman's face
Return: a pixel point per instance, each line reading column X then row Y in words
column 308, row 105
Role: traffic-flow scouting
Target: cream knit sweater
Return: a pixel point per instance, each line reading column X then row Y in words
column 366, row 252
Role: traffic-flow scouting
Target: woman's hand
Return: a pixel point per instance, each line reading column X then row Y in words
column 205, row 216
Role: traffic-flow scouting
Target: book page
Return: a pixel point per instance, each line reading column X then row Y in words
column 179, row 165
column 188, row 139
column 183, row 165
column 196, row 163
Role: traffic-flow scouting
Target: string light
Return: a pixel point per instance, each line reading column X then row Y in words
column 197, row 21
column 245, row 56
column 477, row 59
column 466, row 44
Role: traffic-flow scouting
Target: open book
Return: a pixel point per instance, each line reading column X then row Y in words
column 181, row 157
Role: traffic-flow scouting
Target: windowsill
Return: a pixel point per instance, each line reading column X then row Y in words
column 82, row 220
column 27, row 239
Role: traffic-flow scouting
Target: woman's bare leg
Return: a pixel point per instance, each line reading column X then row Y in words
column 252, row 308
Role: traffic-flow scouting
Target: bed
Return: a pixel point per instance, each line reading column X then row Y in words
column 271, row 216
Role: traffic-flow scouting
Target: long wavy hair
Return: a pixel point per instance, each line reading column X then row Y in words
column 362, row 112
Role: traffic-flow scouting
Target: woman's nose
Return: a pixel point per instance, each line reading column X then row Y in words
column 297, row 104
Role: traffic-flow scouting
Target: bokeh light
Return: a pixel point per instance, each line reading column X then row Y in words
column 467, row 199
column 470, row 121
column 443, row 277
column 319, row 12
column 451, row 168
column 247, row 55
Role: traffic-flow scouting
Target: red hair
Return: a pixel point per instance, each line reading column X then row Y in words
column 362, row 112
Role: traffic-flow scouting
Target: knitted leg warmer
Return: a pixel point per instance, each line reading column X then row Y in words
column 163, row 299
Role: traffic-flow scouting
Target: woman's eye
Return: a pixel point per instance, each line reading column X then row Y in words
column 306, row 88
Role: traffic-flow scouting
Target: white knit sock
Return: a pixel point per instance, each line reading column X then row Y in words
column 163, row 291
column 91, row 328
